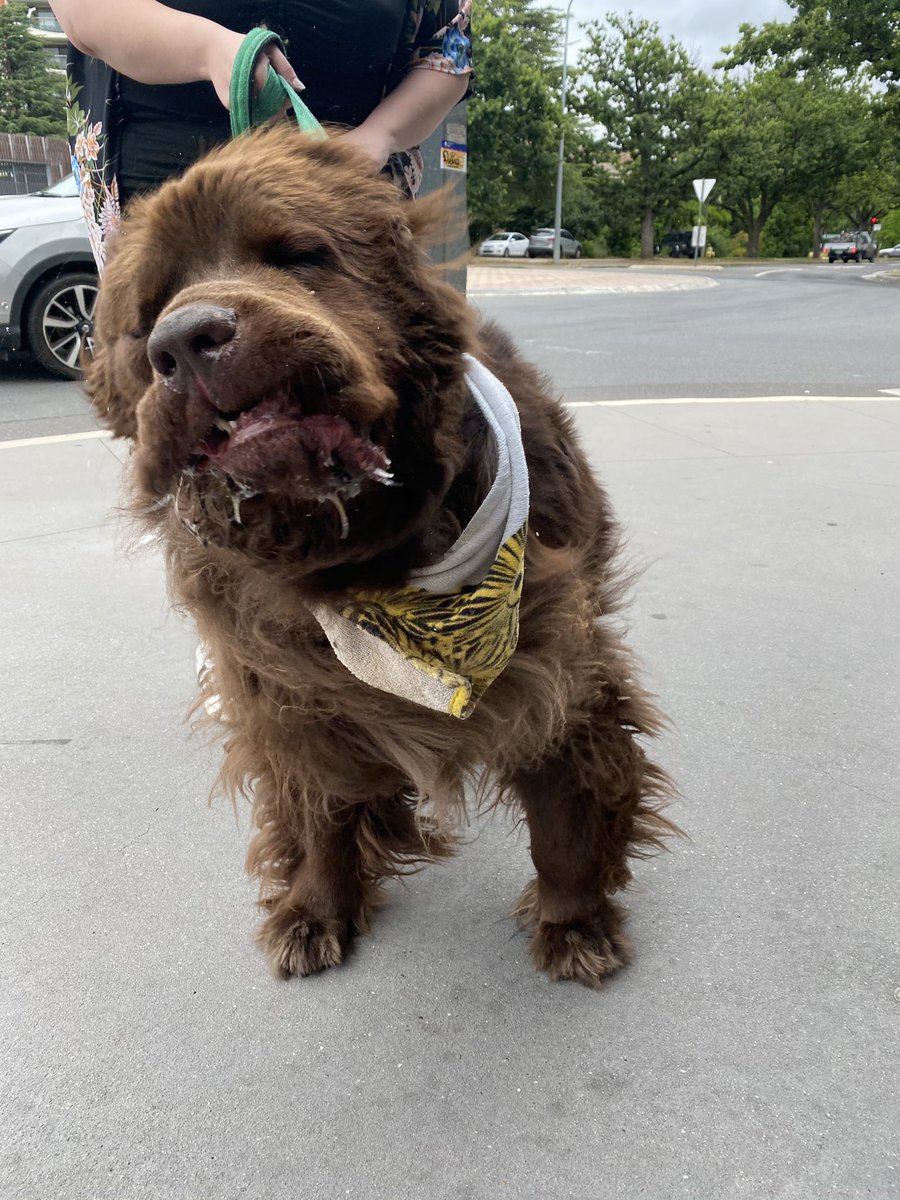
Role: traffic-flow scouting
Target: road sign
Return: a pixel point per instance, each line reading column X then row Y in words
column 698, row 237
column 702, row 188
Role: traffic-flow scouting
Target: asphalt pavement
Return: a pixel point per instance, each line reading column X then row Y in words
column 748, row 436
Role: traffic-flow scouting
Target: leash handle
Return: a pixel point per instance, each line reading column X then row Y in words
column 247, row 111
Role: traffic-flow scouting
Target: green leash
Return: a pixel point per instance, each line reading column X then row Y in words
column 247, row 110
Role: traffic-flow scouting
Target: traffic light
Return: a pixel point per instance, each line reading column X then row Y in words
column 873, row 220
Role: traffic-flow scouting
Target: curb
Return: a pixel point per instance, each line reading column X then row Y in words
column 889, row 277
column 550, row 282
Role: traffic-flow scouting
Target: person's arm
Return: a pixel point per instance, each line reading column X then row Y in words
column 151, row 43
column 408, row 114
column 434, row 64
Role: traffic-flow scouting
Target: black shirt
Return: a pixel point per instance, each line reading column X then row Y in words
column 348, row 55
column 341, row 51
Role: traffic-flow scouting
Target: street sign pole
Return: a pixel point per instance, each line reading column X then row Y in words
column 557, row 216
column 702, row 189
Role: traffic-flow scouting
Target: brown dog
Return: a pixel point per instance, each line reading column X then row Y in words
column 308, row 445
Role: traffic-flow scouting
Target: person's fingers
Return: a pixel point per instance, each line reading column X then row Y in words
column 271, row 57
column 284, row 68
column 260, row 72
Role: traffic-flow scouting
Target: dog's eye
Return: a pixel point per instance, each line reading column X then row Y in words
column 145, row 320
column 284, row 255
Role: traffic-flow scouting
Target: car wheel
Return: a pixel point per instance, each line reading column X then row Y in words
column 528, row 253
column 60, row 323
column 506, row 251
column 578, row 252
column 831, row 258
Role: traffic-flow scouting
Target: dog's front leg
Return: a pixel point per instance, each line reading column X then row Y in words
column 306, row 856
column 588, row 806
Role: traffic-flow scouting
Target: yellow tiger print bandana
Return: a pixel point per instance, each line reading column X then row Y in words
column 444, row 639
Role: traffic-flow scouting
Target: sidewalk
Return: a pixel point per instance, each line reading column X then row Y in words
column 561, row 280
column 750, row 1053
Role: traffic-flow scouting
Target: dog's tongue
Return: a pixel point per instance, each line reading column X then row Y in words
column 269, row 448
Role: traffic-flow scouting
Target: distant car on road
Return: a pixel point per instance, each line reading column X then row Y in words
column 48, row 280
column 889, row 252
column 856, row 246
column 541, row 243
column 505, row 245
column 677, row 243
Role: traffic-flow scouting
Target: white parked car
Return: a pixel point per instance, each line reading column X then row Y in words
column 48, row 281
column 505, row 245
column 889, row 252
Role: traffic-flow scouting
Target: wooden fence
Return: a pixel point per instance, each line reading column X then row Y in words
column 29, row 163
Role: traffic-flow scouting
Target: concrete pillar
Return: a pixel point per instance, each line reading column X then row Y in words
column 440, row 148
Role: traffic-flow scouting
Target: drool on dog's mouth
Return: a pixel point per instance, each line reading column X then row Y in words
column 275, row 447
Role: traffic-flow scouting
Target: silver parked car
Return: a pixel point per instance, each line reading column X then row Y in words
column 889, row 252
column 48, row 280
column 541, row 242
column 505, row 245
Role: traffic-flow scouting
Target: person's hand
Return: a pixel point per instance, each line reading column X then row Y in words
column 371, row 141
column 222, row 51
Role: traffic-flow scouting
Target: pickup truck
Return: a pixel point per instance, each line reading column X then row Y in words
column 858, row 246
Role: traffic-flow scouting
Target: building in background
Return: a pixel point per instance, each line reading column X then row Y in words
column 29, row 163
column 46, row 27
column 48, row 30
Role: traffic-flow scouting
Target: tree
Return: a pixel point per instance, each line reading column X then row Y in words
column 514, row 116
column 840, row 42
column 868, row 194
column 649, row 98
column 851, row 35
column 32, row 97
column 775, row 136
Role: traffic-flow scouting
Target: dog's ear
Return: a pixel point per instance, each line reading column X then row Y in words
column 114, row 412
column 432, row 219
column 103, row 366
column 437, row 219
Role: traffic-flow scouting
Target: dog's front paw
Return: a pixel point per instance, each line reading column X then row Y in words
column 585, row 949
column 298, row 944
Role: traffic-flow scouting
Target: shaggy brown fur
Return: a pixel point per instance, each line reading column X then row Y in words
column 330, row 308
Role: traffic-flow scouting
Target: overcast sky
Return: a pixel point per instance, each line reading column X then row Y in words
column 704, row 26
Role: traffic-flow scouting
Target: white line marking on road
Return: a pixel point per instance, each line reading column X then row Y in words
column 777, row 271
column 893, row 392
column 719, row 400
column 690, row 284
column 56, row 437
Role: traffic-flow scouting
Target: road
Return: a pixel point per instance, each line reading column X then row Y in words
column 753, row 1050
column 815, row 330
column 819, row 330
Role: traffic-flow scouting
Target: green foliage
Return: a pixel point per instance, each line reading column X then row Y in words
column 514, row 117
column 849, row 35
column 649, row 98
column 798, row 140
column 890, row 229
column 32, row 97
column 775, row 135
column 867, row 193
column 789, row 232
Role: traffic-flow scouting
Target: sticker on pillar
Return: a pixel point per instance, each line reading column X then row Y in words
column 453, row 156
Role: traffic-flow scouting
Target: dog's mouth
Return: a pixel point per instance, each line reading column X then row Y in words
column 275, row 446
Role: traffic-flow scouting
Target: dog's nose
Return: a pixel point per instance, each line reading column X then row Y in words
column 189, row 342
